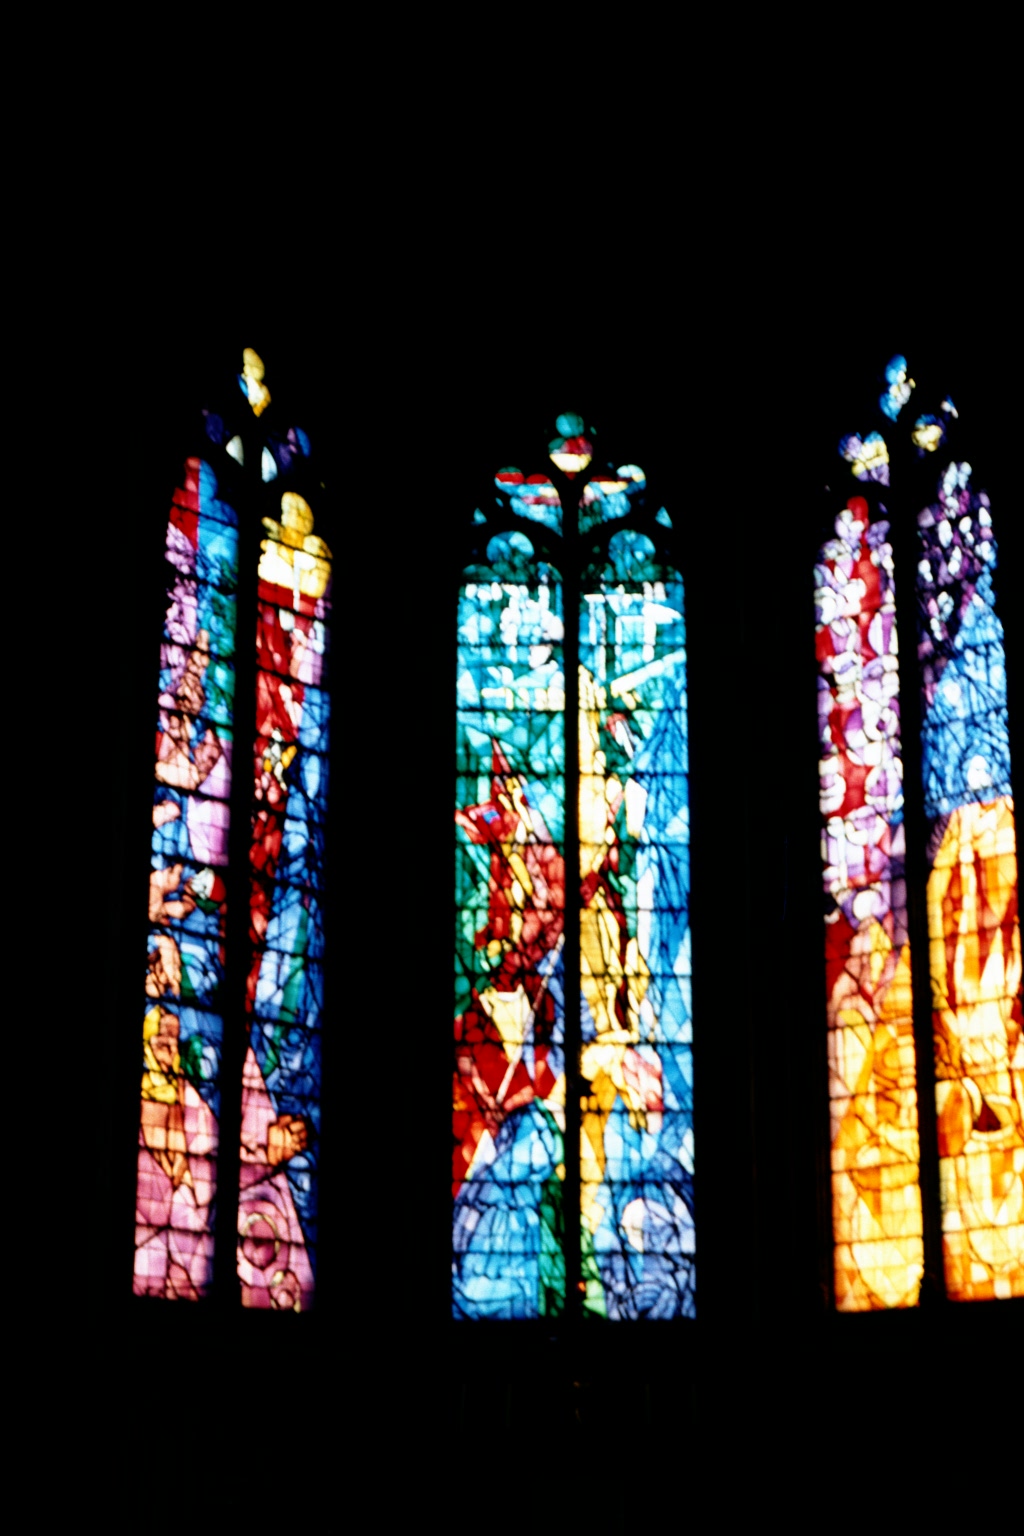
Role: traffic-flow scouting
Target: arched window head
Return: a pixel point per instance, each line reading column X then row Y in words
column 572, row 1120
column 229, row 1124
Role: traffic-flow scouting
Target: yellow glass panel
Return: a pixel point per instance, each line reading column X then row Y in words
column 877, row 1218
column 974, row 934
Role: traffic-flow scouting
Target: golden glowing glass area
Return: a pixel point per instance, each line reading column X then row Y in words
column 979, row 1056
column 876, row 1194
column 613, row 971
column 973, row 924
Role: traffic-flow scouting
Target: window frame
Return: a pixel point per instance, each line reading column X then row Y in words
column 913, row 485
column 210, row 383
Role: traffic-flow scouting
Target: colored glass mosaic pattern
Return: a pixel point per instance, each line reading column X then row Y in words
column 509, row 1077
column 634, row 1068
column 636, row 1065
column 182, row 1019
column 876, row 1195
column 277, row 1211
column 973, row 922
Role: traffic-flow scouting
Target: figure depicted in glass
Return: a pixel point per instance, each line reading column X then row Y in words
column 183, row 1023
column 633, row 1068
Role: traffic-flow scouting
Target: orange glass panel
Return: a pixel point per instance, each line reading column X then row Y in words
column 973, row 925
column 876, row 1194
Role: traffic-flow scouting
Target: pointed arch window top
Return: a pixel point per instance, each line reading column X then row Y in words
column 606, row 494
column 868, row 456
column 280, row 452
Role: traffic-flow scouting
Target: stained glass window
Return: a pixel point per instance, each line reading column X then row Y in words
column 233, row 1003
column 922, row 822
column 572, row 1106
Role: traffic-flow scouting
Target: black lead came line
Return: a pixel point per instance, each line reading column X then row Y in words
column 575, row 1282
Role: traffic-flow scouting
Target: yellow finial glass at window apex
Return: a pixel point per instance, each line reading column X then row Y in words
column 252, row 373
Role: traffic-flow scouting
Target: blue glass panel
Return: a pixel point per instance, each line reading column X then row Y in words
column 636, row 1006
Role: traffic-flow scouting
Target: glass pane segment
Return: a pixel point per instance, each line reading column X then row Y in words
column 531, row 496
column 278, row 1192
column 183, row 1027
column 973, row 924
column 636, row 1066
column 876, row 1193
column 508, row 1117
